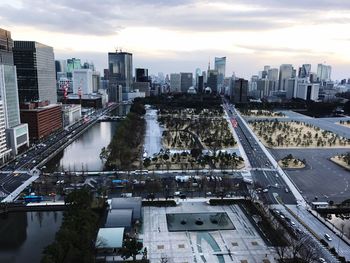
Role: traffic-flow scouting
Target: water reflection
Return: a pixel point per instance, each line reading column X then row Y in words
column 23, row 236
column 83, row 153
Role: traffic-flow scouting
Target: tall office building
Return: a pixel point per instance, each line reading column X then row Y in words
column 212, row 80
column 220, row 67
column 82, row 81
column 200, row 84
column 6, row 46
column 141, row 75
column 61, row 68
column 197, row 74
column 35, row 65
column 186, row 81
column 120, row 74
column 291, row 88
column 272, row 76
column 304, row 71
column 175, row 82
column 286, row 72
column 72, row 64
column 241, row 91
column 16, row 133
column 324, row 72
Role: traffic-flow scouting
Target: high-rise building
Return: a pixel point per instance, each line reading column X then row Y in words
column 291, row 88
column 142, row 81
column 262, row 88
column 16, row 133
column 286, row 72
column 61, row 69
column 6, row 46
column 197, row 74
column 120, row 73
column 200, row 84
column 241, row 91
column 175, row 82
column 141, row 75
column 212, row 80
column 186, row 81
column 96, row 81
column 304, row 71
column 35, row 65
column 324, row 72
column 272, row 76
column 220, row 67
column 72, row 64
column 82, row 81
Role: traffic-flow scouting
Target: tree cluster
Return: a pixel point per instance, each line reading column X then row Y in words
column 125, row 147
column 74, row 242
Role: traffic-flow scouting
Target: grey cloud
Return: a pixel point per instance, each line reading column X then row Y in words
column 107, row 17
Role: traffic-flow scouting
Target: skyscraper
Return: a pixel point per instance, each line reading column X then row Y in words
column 272, row 76
column 304, row 71
column 35, row 65
column 72, row 64
column 141, row 75
column 120, row 73
column 16, row 133
column 241, row 91
column 186, row 81
column 212, row 80
column 286, row 72
column 324, row 72
column 6, row 46
column 175, row 82
column 220, row 67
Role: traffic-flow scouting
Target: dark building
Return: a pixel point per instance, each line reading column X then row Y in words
column 42, row 118
column 186, row 81
column 200, row 84
column 35, row 65
column 241, row 91
column 106, row 74
column 141, row 75
column 6, row 46
column 212, row 80
column 120, row 74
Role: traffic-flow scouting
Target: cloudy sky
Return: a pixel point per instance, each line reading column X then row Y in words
column 180, row 35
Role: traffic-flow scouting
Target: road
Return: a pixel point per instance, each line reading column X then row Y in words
column 19, row 170
column 275, row 180
column 265, row 175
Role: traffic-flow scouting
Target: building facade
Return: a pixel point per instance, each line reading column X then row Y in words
column 286, row 72
column 120, row 74
column 42, row 119
column 35, row 65
column 241, row 91
column 6, row 46
column 220, row 67
column 175, row 82
column 186, row 81
column 82, row 81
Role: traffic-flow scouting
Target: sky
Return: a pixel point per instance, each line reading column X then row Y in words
column 182, row 35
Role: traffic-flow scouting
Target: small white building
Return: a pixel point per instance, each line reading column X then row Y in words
column 82, row 79
column 17, row 137
column 70, row 114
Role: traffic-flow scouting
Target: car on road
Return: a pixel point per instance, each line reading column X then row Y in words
column 322, row 260
column 265, row 190
column 328, row 237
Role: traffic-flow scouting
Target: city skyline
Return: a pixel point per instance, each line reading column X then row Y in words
column 197, row 31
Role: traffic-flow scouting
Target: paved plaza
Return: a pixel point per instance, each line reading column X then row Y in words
column 242, row 245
